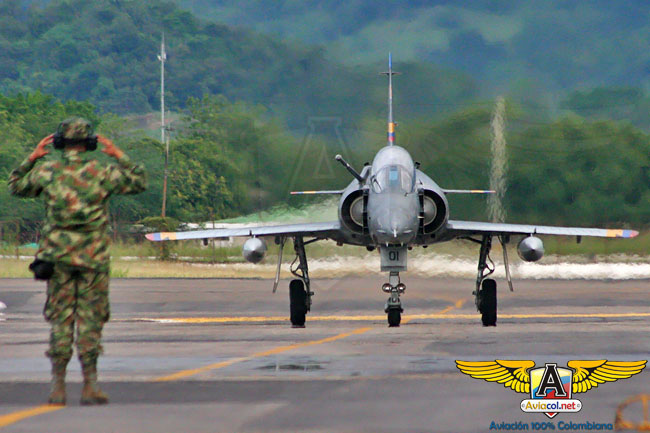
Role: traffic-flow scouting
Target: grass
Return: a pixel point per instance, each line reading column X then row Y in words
column 141, row 268
column 14, row 268
column 190, row 251
column 639, row 246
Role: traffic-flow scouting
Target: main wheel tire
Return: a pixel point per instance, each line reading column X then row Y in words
column 297, row 303
column 488, row 305
column 394, row 317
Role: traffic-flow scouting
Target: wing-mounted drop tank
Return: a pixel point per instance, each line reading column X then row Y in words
column 530, row 249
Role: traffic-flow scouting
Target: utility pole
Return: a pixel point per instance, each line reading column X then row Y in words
column 162, row 57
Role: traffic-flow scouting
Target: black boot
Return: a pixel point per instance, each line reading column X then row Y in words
column 91, row 394
column 57, row 391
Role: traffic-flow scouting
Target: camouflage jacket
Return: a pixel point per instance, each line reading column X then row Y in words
column 76, row 192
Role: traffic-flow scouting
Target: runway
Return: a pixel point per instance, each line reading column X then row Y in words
column 203, row 355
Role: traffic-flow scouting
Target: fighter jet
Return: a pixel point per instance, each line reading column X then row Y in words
column 392, row 206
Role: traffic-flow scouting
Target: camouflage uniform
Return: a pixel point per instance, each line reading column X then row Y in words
column 75, row 238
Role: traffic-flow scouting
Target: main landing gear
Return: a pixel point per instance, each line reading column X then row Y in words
column 299, row 291
column 394, row 304
column 486, row 288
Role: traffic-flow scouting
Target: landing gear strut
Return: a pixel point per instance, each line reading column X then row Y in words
column 394, row 304
column 486, row 288
column 299, row 290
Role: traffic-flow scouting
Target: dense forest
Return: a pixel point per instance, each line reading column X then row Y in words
column 256, row 116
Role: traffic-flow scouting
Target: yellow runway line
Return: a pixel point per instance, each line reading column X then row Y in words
column 458, row 304
column 254, row 319
column 535, row 316
column 573, row 315
column 14, row 417
column 191, row 372
column 261, row 319
column 369, row 318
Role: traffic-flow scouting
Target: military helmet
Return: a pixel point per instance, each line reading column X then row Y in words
column 75, row 131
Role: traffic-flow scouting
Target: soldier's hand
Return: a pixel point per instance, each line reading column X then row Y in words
column 110, row 148
column 40, row 150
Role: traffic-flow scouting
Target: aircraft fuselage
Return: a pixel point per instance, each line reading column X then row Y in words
column 393, row 204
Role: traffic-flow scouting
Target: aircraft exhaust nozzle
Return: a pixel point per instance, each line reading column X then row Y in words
column 530, row 249
column 254, row 250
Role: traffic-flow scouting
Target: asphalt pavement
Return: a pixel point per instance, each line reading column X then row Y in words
column 203, row 355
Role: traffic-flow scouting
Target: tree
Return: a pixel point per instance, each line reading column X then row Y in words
column 223, row 156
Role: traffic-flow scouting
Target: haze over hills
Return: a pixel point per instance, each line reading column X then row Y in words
column 589, row 57
column 564, row 45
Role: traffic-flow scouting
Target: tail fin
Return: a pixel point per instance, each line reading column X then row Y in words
column 391, row 123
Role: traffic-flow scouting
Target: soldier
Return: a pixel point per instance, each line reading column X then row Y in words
column 73, row 253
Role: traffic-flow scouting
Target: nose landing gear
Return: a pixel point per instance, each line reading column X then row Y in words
column 394, row 308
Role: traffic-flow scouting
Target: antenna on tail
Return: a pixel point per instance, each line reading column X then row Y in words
column 391, row 123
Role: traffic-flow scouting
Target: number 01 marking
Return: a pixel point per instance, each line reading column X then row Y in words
column 393, row 256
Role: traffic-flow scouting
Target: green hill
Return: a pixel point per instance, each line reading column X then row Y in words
column 309, row 58
column 105, row 52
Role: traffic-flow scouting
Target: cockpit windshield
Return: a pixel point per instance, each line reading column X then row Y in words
column 393, row 178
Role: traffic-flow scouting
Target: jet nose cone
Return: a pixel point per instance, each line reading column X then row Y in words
column 397, row 230
column 393, row 218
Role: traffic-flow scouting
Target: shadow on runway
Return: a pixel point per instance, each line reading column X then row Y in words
column 125, row 393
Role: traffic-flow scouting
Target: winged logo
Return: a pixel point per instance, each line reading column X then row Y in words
column 550, row 387
column 586, row 374
column 512, row 374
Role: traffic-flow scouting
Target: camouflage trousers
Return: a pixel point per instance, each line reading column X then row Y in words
column 76, row 297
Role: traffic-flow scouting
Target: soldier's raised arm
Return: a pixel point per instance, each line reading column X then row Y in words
column 25, row 181
column 126, row 177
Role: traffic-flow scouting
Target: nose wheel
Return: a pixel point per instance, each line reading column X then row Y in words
column 394, row 317
column 394, row 304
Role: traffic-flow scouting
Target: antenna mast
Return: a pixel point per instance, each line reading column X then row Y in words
column 162, row 57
